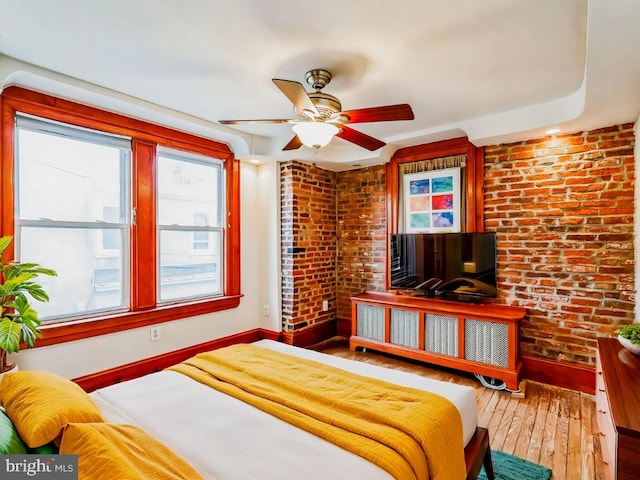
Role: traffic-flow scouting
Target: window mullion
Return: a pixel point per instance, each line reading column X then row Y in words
column 143, row 233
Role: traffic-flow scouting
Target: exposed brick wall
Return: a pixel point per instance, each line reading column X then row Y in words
column 308, row 224
column 362, row 234
column 563, row 209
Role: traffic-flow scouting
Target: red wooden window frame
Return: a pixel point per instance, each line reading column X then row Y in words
column 145, row 137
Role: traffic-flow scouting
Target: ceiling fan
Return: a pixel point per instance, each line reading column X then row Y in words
column 321, row 116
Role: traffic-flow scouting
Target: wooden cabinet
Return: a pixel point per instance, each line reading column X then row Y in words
column 618, row 409
column 473, row 337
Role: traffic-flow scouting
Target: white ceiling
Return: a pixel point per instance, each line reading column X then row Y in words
column 494, row 70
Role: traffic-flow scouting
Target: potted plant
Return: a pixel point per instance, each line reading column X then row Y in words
column 629, row 337
column 18, row 320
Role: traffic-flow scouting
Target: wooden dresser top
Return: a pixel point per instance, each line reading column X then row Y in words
column 621, row 370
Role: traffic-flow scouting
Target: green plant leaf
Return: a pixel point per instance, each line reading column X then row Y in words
column 4, row 243
column 18, row 278
column 9, row 335
column 18, row 320
column 630, row 332
column 39, row 294
column 29, row 335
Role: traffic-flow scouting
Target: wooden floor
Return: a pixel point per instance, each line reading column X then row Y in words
column 552, row 426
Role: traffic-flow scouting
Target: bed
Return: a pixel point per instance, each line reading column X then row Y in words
column 222, row 437
column 249, row 443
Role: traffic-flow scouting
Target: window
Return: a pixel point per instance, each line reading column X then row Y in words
column 189, row 243
column 65, row 177
column 139, row 233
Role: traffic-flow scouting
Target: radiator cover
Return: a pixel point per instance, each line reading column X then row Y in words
column 441, row 334
column 480, row 338
column 404, row 328
column 370, row 322
column 486, row 342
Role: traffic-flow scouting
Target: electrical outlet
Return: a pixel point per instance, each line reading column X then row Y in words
column 155, row 334
column 325, row 305
column 266, row 311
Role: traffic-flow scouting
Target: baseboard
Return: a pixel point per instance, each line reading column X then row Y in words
column 344, row 327
column 560, row 374
column 311, row 335
column 139, row 368
column 269, row 335
column 566, row 375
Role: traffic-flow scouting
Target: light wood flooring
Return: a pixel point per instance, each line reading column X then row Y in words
column 551, row 426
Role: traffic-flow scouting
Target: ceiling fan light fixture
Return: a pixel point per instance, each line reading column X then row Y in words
column 315, row 134
column 322, row 117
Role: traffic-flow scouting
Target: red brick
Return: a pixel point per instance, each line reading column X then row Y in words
column 563, row 211
column 595, row 198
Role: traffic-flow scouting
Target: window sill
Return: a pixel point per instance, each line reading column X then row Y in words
column 60, row 332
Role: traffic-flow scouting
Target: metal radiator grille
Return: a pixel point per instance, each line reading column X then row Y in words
column 404, row 328
column 441, row 334
column 486, row 342
column 370, row 322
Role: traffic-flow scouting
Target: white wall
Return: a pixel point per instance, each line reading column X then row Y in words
column 269, row 251
column 259, row 253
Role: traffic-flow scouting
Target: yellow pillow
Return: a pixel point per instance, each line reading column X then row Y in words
column 40, row 404
column 122, row 452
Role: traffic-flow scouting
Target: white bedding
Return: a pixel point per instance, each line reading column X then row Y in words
column 224, row 438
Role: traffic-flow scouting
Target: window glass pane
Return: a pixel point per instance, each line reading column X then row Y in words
column 65, row 179
column 185, row 272
column 111, row 237
column 88, row 280
column 201, row 240
column 186, row 188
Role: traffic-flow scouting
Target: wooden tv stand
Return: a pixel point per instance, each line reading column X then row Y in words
column 479, row 338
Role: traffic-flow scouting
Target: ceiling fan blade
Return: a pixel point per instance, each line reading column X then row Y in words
column 359, row 138
column 274, row 120
column 295, row 92
column 388, row 113
column 293, row 144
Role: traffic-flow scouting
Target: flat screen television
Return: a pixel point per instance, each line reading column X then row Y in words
column 458, row 266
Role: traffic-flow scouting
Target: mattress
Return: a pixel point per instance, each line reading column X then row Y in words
column 224, row 438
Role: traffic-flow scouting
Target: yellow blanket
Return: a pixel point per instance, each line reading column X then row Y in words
column 410, row 433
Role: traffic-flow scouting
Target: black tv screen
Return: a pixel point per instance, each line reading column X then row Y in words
column 449, row 265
